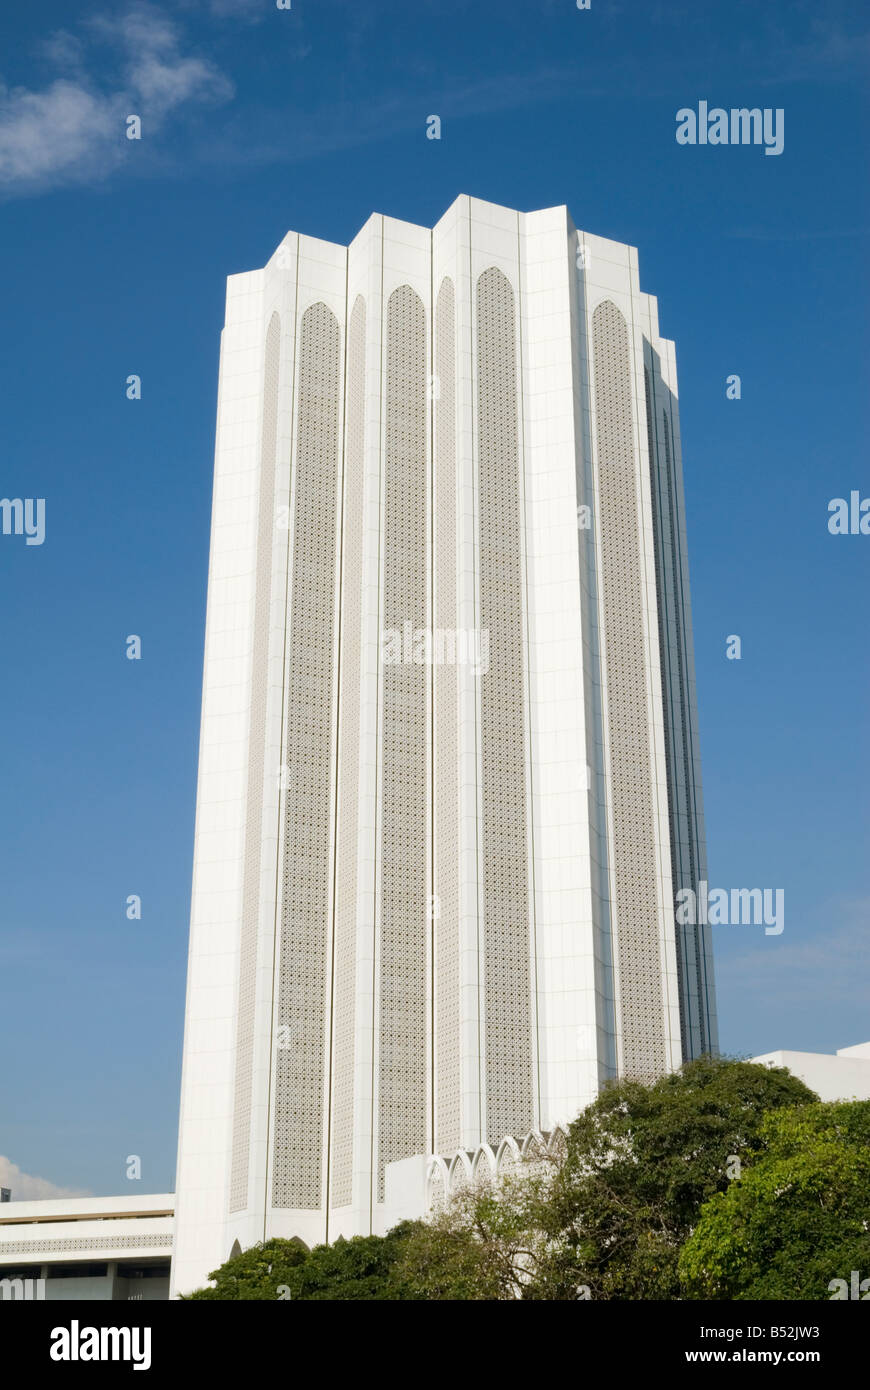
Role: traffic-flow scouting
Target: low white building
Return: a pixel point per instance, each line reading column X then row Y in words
column 842, row 1075
column 88, row 1248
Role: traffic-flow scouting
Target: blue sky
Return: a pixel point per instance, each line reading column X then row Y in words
column 115, row 252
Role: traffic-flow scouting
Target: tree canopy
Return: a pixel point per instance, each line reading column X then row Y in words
column 798, row 1218
column 641, row 1161
column 356, row 1269
column 724, row 1179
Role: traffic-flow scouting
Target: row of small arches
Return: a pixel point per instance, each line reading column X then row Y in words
column 447, row 1175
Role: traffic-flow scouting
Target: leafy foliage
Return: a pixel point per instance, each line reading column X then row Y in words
column 357, row 1269
column 256, row 1273
column 799, row 1216
column 648, row 1171
column 487, row 1244
column 641, row 1161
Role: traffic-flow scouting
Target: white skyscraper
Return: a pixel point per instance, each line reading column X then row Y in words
column 449, row 780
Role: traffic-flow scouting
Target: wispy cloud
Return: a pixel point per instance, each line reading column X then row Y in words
column 63, row 51
column 139, row 61
column 256, row 136
column 828, row 51
column 252, row 10
column 26, row 1188
column 833, row 965
column 74, row 129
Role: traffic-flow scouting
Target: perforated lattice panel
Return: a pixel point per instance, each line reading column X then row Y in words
column 344, row 1011
column 63, row 1244
column 308, row 760
column 403, row 925
column 633, row 851
column 446, row 762
column 256, row 758
column 503, row 833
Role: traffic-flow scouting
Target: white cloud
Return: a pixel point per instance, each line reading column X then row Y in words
column 73, row 130
column 26, row 1188
column 63, row 131
column 156, row 70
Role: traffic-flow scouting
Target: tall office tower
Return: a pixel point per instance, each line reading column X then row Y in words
column 449, row 779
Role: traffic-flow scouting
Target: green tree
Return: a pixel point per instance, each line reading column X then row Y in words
column 798, row 1218
column 257, row 1273
column 357, row 1269
column 641, row 1161
column 486, row 1245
